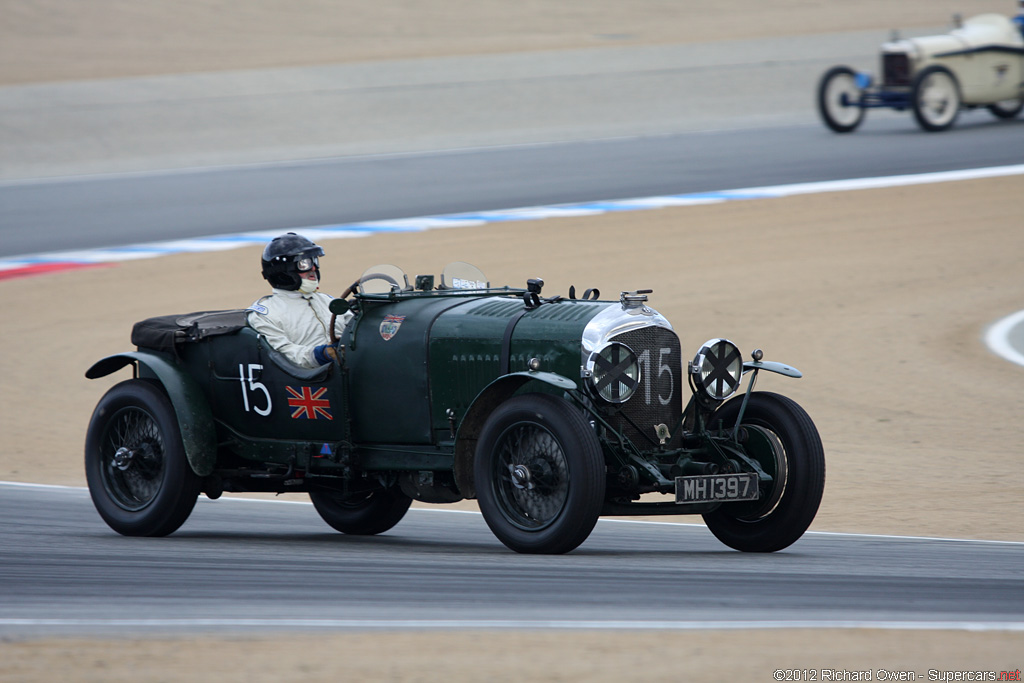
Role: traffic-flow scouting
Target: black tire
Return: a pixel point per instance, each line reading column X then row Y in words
column 836, row 90
column 139, row 477
column 785, row 442
column 935, row 98
column 539, row 474
column 363, row 514
column 1007, row 109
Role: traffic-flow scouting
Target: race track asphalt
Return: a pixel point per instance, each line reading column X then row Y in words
column 256, row 565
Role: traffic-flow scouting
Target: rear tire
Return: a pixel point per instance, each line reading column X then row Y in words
column 364, row 514
column 785, row 442
column 935, row 98
column 839, row 99
column 1007, row 109
column 139, row 477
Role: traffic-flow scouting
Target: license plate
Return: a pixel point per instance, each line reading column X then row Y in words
column 713, row 488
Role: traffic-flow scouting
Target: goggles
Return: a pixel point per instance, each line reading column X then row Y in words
column 306, row 263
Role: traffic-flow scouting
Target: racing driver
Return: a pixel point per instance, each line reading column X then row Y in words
column 294, row 317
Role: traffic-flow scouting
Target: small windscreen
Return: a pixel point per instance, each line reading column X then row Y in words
column 383, row 279
column 462, row 275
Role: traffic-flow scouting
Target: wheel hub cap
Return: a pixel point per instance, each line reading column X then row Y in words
column 123, row 458
column 521, row 477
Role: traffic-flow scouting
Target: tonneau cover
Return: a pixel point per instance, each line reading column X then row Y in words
column 166, row 332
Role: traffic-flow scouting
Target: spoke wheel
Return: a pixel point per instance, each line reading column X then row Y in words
column 1007, row 109
column 133, row 458
column 364, row 514
column 139, row 477
column 839, row 100
column 531, row 476
column 935, row 97
column 539, row 474
column 785, row 443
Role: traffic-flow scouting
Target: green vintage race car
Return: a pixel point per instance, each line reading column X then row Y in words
column 549, row 411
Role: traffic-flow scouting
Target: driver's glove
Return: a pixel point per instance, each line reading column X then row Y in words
column 325, row 353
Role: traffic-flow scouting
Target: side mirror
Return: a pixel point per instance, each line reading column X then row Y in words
column 339, row 306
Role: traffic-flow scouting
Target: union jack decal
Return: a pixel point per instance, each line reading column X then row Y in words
column 307, row 404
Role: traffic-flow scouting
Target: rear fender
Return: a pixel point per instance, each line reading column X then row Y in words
column 493, row 395
column 195, row 420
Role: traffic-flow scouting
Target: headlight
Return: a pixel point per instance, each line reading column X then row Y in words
column 614, row 372
column 717, row 369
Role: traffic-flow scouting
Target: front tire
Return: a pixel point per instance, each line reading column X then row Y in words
column 935, row 98
column 1007, row 109
column 539, row 474
column 364, row 514
column 139, row 477
column 839, row 99
column 785, row 442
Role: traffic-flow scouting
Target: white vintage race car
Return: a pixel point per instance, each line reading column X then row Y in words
column 980, row 63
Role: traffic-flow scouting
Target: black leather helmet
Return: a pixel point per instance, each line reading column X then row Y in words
column 288, row 255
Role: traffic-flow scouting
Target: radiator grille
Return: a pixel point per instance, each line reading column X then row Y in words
column 658, row 399
column 896, row 68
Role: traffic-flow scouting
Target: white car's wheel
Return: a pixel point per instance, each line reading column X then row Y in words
column 935, row 98
column 839, row 99
column 1007, row 109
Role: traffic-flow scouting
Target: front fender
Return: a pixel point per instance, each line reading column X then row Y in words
column 195, row 420
column 493, row 395
column 772, row 366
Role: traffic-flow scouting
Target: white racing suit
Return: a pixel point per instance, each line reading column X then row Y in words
column 295, row 323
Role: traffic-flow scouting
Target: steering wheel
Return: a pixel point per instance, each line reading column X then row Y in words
column 351, row 288
column 378, row 276
column 334, row 316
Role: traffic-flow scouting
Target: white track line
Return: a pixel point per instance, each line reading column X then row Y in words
column 518, row 624
column 997, row 338
column 501, row 625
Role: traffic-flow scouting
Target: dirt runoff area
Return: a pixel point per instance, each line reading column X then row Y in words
column 880, row 297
